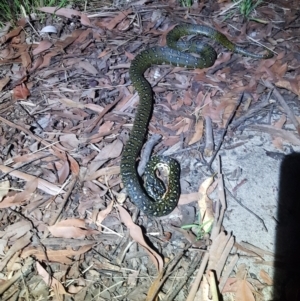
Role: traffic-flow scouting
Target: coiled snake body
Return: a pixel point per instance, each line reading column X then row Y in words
column 164, row 201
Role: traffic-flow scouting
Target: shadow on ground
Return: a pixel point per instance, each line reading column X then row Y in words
column 287, row 269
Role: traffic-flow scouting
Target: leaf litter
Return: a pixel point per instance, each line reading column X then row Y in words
column 61, row 148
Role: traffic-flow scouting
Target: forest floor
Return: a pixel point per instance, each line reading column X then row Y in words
column 67, row 230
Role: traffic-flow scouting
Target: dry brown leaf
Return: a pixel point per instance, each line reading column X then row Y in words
column 132, row 278
column 70, row 103
column 26, row 59
column 4, row 189
column 277, row 141
column 137, row 235
column 3, row 246
column 230, row 285
column 7, row 202
column 69, row 141
column 3, row 82
column 74, row 289
column 47, row 58
column 63, row 172
column 285, row 135
column 62, row 44
column 43, row 45
column 14, row 264
column 36, row 64
column 280, row 123
column 205, row 205
column 290, row 85
column 16, row 230
column 280, row 68
column 103, row 214
column 74, row 166
column 219, row 252
column 13, row 33
column 188, row 198
column 68, row 13
column 266, row 277
column 242, row 271
column 29, row 189
column 61, row 256
column 106, row 171
column 198, row 132
column 116, row 20
column 110, row 151
column 29, row 157
column 94, row 107
column 243, row 291
column 105, row 266
column 71, row 228
column 155, row 286
column 184, row 126
column 42, row 184
column 20, row 92
column 105, row 52
column 88, row 67
column 260, row 252
column 54, row 283
column 18, row 245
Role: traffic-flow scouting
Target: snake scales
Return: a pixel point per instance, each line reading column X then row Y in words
column 154, row 199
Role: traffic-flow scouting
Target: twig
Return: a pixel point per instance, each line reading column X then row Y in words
column 175, row 291
column 213, row 285
column 246, row 208
column 209, row 137
column 225, row 131
column 56, row 151
column 106, row 109
column 251, row 112
column 260, row 44
column 24, row 164
column 283, row 104
column 212, row 71
column 227, row 271
column 161, row 280
column 63, row 203
column 148, row 147
column 229, row 8
column 31, row 116
column 221, row 204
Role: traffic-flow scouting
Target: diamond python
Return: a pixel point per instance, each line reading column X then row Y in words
column 154, row 199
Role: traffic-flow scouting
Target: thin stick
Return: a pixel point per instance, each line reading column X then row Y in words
column 283, row 103
column 225, row 131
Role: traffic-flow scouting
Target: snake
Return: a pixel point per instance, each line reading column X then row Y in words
column 155, row 198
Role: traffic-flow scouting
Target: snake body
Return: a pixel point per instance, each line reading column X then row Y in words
column 164, row 202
